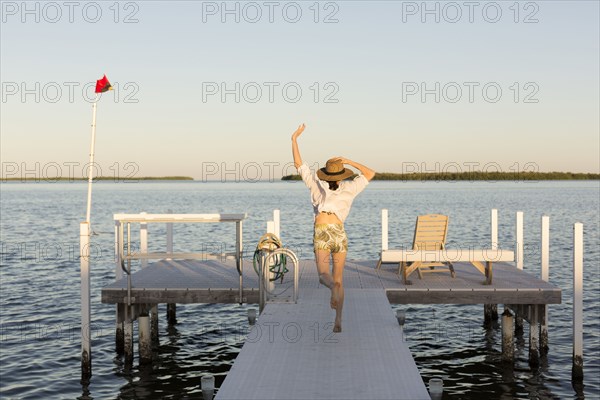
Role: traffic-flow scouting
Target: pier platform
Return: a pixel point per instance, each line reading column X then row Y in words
column 292, row 353
column 212, row 281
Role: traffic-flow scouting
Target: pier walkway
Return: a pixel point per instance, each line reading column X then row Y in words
column 291, row 352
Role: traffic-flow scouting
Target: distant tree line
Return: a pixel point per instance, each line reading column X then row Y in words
column 474, row 176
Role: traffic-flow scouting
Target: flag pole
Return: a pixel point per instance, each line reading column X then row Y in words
column 91, row 165
column 85, row 231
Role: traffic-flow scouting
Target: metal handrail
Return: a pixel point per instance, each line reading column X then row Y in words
column 128, row 272
column 186, row 256
column 264, row 276
column 142, row 218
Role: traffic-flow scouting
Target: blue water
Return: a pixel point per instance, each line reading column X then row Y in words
column 39, row 297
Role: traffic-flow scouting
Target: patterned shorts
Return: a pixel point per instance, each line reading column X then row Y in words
column 330, row 237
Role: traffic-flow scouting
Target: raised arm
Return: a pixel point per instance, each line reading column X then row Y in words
column 366, row 171
column 295, row 150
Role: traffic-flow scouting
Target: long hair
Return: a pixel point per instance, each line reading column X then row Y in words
column 333, row 185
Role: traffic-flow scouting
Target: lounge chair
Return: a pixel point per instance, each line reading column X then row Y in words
column 430, row 235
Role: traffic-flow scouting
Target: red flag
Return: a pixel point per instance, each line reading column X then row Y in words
column 103, row 85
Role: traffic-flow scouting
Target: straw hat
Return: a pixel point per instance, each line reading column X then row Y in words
column 334, row 171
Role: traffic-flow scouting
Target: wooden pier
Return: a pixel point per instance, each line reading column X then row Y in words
column 291, row 352
column 370, row 347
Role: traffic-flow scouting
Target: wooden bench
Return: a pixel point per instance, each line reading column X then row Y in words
column 477, row 257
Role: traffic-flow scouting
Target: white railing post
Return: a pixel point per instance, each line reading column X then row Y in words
column 119, row 311
column 577, row 371
column 144, row 241
column 169, row 235
column 239, row 256
column 384, row 229
column 494, row 229
column 519, row 239
column 84, row 262
column 545, row 247
column 171, row 307
column 118, row 242
column 271, row 284
column 545, row 260
column 270, row 227
column 276, row 223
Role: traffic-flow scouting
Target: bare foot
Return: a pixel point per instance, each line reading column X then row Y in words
column 335, row 295
column 337, row 327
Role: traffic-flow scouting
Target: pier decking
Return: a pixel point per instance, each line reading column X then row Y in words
column 212, row 281
column 291, row 352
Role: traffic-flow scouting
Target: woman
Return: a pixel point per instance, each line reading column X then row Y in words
column 331, row 198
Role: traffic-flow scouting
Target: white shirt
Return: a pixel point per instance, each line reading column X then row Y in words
column 336, row 201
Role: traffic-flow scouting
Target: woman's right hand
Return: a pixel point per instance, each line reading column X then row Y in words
column 298, row 132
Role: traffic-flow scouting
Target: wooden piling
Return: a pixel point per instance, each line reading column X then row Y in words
column 577, row 370
column 518, row 324
column 534, row 329
column 487, row 314
column 119, row 338
column 172, row 313
column 128, row 339
column 144, row 339
column 508, row 351
column 154, row 325
column 543, row 309
column 490, row 313
column 119, row 331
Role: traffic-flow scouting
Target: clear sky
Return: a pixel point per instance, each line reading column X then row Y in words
column 397, row 85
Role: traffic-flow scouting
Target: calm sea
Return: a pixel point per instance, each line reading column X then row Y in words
column 40, row 300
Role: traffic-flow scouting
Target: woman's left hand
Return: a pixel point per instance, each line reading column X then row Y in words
column 342, row 160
